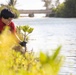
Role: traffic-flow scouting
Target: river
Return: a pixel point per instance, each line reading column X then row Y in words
column 49, row 33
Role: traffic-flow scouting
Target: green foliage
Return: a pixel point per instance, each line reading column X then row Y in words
column 45, row 58
column 56, row 53
column 53, row 62
column 66, row 9
column 70, row 8
column 12, row 2
column 60, row 10
column 15, row 63
column 26, row 29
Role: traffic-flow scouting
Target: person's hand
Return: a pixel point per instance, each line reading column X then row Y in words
column 23, row 43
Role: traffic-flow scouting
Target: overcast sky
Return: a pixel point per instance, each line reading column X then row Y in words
column 27, row 4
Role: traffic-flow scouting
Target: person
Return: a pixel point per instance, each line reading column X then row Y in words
column 6, row 17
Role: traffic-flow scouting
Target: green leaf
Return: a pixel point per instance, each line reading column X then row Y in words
column 30, row 30
column 54, row 56
column 43, row 58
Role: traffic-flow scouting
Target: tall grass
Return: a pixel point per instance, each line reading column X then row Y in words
column 15, row 63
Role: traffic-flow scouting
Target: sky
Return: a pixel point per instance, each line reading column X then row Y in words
column 28, row 4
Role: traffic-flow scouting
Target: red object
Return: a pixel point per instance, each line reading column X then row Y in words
column 11, row 25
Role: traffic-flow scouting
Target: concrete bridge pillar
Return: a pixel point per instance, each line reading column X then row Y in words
column 47, row 14
column 31, row 15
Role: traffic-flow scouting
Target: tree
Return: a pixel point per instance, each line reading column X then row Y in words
column 12, row 2
column 70, row 8
column 57, row 2
column 47, row 3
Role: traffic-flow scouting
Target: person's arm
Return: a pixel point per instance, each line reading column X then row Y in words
column 22, row 43
column 13, row 30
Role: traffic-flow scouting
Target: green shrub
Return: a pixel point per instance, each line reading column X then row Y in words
column 15, row 63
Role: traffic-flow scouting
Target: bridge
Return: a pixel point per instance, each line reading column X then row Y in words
column 32, row 12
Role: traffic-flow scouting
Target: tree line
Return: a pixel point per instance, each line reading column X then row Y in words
column 66, row 9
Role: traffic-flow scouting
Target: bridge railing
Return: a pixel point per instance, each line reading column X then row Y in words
column 35, row 11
